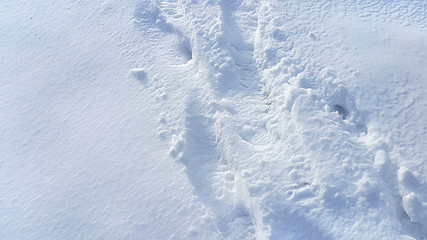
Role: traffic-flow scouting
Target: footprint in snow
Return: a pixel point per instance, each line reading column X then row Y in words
column 140, row 75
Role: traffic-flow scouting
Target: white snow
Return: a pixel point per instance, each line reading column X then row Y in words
column 249, row 119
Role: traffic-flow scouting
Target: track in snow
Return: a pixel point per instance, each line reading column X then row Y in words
column 271, row 136
column 200, row 147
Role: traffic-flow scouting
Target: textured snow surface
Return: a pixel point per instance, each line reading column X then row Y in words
column 226, row 119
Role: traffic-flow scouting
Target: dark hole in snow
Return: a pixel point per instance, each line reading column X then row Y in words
column 341, row 111
column 186, row 50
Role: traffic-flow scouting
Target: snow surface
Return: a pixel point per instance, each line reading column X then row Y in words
column 226, row 119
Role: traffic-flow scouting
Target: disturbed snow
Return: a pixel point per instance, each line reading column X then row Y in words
column 213, row 120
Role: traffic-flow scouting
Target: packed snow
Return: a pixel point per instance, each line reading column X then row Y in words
column 219, row 119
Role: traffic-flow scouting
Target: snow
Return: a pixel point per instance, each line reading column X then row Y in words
column 245, row 119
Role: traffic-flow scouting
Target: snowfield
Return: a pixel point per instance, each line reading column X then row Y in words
column 219, row 119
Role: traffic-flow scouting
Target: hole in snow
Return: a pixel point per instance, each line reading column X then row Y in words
column 139, row 74
column 341, row 111
column 186, row 50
